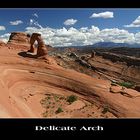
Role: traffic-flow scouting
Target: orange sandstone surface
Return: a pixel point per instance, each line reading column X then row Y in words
column 36, row 88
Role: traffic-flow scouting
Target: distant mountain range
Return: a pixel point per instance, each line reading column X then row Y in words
column 112, row 44
column 107, row 45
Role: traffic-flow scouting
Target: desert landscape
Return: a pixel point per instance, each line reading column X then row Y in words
column 42, row 81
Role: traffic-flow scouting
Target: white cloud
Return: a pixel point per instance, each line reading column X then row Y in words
column 137, row 37
column 135, row 23
column 83, row 36
column 31, row 21
column 37, row 24
column 2, row 28
column 70, row 22
column 34, row 22
column 17, row 22
column 116, row 35
column 35, row 15
column 106, row 14
column 5, row 37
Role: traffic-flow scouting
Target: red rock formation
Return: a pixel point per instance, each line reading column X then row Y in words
column 137, row 87
column 117, row 67
column 115, row 89
column 20, row 38
column 32, row 41
column 42, row 49
column 25, row 82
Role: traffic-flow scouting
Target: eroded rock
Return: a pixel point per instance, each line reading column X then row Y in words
column 115, row 89
column 19, row 38
column 137, row 87
column 76, row 105
column 42, row 49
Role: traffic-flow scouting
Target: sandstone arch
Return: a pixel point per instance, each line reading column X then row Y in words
column 42, row 49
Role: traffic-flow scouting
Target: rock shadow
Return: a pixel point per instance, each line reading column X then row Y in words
column 27, row 54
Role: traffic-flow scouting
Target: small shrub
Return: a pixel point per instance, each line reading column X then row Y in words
column 71, row 99
column 59, row 110
column 105, row 110
column 126, row 84
column 48, row 98
column 45, row 114
column 56, row 98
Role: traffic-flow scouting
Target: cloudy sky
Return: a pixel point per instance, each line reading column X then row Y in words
column 72, row 27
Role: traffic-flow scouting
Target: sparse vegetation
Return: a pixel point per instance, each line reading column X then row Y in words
column 123, row 84
column 56, row 98
column 126, row 84
column 105, row 110
column 53, row 107
column 59, row 110
column 71, row 99
column 45, row 114
column 48, row 98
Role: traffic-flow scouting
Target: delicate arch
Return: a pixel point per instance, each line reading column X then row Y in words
column 42, row 49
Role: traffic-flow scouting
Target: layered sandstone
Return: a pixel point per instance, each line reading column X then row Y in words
column 117, row 66
column 19, row 40
column 26, row 82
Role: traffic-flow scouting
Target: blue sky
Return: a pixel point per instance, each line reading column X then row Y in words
column 63, row 27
